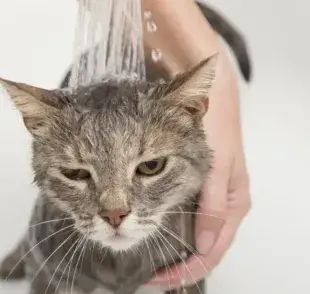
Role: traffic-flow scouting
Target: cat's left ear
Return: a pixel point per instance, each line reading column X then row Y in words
column 36, row 105
column 191, row 89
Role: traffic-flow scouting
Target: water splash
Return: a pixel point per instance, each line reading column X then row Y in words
column 147, row 14
column 156, row 55
column 111, row 32
column 151, row 26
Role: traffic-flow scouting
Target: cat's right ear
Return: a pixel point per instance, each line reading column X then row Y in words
column 190, row 90
column 36, row 105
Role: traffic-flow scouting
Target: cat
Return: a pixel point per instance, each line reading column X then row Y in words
column 116, row 163
column 120, row 165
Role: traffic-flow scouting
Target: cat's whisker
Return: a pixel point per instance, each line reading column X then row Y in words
column 136, row 250
column 151, row 258
column 104, row 254
column 77, row 263
column 164, row 258
column 193, row 213
column 33, row 247
column 49, row 257
column 86, row 242
column 178, row 238
column 64, row 270
column 184, row 262
column 50, row 221
column 92, row 251
column 189, row 247
column 71, row 260
column 161, row 237
column 59, row 264
column 140, row 253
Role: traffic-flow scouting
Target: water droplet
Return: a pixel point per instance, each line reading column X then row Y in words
column 151, row 26
column 156, row 55
column 147, row 14
column 184, row 254
column 183, row 284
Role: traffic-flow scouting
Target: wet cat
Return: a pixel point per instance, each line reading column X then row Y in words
column 116, row 164
column 119, row 165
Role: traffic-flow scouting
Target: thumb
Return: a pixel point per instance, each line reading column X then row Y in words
column 213, row 208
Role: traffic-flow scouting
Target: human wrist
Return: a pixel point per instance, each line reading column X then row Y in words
column 222, row 121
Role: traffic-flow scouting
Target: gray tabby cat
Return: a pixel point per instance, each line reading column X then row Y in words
column 119, row 165
column 116, row 164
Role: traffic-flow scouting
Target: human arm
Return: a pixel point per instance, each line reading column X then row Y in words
column 185, row 38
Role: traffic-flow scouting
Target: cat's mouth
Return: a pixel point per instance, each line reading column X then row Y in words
column 117, row 235
column 129, row 234
column 115, row 239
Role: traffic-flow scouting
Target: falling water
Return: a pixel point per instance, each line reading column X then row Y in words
column 110, row 31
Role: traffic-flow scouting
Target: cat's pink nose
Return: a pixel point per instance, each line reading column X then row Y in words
column 114, row 217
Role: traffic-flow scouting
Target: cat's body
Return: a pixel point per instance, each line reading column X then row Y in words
column 94, row 153
column 88, row 266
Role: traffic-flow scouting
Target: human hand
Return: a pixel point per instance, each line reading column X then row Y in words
column 225, row 196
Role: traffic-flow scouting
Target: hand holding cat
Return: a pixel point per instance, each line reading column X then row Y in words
column 225, row 199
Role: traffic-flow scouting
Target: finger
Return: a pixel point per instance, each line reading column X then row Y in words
column 213, row 203
column 237, row 206
column 197, row 267
column 179, row 275
column 212, row 210
column 220, row 247
column 239, row 199
column 165, row 280
column 215, row 187
column 167, row 277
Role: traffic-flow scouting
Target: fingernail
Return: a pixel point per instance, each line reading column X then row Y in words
column 205, row 241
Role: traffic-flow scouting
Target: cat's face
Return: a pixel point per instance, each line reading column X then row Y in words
column 119, row 164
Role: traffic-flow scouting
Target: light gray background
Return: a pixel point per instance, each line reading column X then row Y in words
column 271, row 253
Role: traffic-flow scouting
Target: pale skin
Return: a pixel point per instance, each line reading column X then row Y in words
column 185, row 38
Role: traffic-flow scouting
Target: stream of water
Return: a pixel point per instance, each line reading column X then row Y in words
column 110, row 31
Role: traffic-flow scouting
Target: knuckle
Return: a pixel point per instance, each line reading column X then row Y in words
column 246, row 206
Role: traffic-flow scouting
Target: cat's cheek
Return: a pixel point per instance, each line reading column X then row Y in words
column 137, row 228
column 187, row 189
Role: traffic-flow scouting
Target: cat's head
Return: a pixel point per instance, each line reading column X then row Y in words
column 116, row 156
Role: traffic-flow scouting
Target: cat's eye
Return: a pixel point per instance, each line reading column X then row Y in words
column 152, row 167
column 76, row 174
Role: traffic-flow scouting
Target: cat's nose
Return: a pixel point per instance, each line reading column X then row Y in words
column 114, row 217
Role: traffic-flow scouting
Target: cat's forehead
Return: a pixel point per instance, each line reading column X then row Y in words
column 121, row 132
column 117, row 136
column 111, row 93
column 119, row 117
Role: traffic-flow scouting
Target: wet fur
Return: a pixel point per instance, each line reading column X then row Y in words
column 116, row 107
column 105, row 127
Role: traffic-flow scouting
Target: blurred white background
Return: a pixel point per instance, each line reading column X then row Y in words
column 271, row 253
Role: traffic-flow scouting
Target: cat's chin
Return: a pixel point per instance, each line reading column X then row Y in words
column 116, row 242
column 120, row 243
